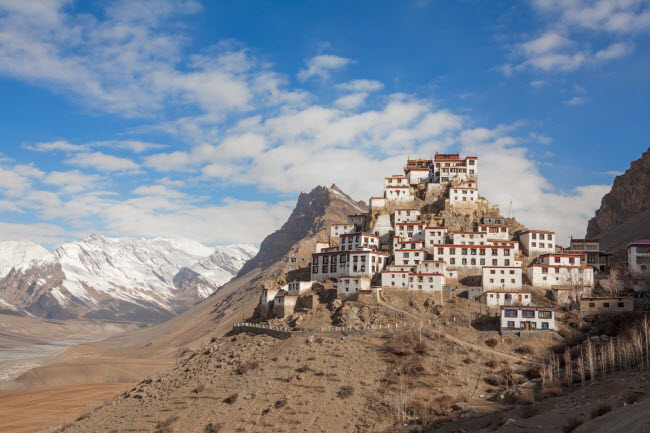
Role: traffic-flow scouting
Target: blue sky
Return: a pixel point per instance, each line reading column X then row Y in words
column 206, row 120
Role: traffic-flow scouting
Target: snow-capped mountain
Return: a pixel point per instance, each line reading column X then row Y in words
column 17, row 253
column 121, row 278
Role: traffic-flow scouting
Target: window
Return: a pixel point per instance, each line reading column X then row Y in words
column 314, row 269
column 544, row 325
column 315, row 260
column 620, row 305
column 606, row 304
column 545, row 314
column 510, row 313
column 530, row 314
column 511, row 324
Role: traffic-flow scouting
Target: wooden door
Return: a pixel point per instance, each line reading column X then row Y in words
column 527, row 326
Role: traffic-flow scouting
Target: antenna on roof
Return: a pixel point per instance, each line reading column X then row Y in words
column 509, row 208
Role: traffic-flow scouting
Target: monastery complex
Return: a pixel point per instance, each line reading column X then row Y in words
column 431, row 231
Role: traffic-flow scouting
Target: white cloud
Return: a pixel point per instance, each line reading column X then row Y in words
column 60, row 145
column 548, row 42
column 71, row 181
column 321, row 66
column 614, row 51
column 351, row 101
column 565, row 45
column 576, row 100
column 615, row 16
column 103, row 162
column 361, row 86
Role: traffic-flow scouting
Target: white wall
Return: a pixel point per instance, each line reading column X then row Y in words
column 531, row 243
column 518, row 321
column 496, row 298
column 639, row 260
column 426, row 282
column 547, row 276
column 501, row 278
column 409, row 257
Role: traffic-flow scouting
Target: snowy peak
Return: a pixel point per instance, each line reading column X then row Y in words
column 103, row 276
column 222, row 265
column 18, row 253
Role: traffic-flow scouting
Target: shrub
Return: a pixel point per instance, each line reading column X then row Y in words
column 231, row 398
column 280, row 403
column 572, row 424
column 534, row 372
column 600, row 410
column 421, row 348
column 467, row 360
column 491, row 342
column 319, row 340
column 212, row 428
column 551, row 391
column 491, row 363
column 198, row 389
column 526, row 349
column 303, row 369
column 247, row 366
column 345, row 392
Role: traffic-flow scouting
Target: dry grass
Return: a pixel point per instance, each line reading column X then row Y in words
column 551, row 391
column 491, row 363
column 526, row 349
column 572, row 424
column 165, row 426
column 525, row 397
column 601, row 410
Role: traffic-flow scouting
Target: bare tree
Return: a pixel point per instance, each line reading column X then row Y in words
column 590, row 359
column 568, row 368
column 581, row 367
column 646, row 335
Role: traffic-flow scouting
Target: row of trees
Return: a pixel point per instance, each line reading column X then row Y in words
column 627, row 352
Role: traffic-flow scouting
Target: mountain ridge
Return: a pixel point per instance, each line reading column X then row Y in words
column 120, row 278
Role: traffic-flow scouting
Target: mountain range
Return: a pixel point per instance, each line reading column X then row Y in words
column 145, row 280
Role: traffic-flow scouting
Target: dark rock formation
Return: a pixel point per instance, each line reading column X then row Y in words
column 624, row 213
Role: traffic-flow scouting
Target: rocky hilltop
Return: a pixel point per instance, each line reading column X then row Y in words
column 314, row 212
column 624, row 213
column 146, row 280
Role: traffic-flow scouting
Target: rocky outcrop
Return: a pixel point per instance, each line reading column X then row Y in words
column 624, row 213
column 314, row 212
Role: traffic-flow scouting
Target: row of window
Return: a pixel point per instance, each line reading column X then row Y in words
column 533, row 325
column 473, row 251
column 529, row 314
column 542, row 236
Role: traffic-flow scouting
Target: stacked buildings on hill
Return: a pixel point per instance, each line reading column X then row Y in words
column 401, row 244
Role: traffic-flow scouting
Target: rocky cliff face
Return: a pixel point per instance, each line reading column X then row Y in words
column 624, row 213
column 314, row 212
